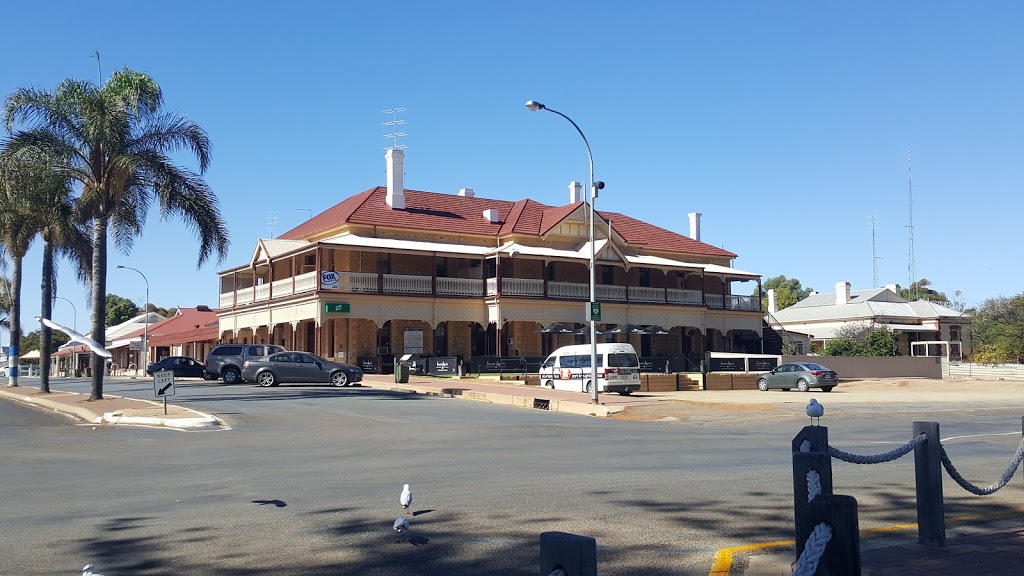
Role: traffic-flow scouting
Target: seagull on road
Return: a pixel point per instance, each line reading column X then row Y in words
column 406, row 498
column 76, row 338
column 401, row 527
column 815, row 410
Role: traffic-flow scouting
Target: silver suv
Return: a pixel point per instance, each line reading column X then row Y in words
column 226, row 361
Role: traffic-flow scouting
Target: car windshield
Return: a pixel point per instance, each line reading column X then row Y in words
column 815, row 367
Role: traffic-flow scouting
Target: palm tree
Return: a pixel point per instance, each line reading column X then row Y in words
column 17, row 230
column 117, row 143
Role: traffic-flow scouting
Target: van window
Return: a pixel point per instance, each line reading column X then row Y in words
column 255, row 350
column 623, row 361
column 549, row 362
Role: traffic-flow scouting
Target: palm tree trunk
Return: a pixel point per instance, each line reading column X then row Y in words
column 99, row 301
column 13, row 357
column 46, row 336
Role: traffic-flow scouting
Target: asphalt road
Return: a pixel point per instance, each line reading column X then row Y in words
column 307, row 479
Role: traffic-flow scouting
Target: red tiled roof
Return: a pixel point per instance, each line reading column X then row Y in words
column 654, row 238
column 188, row 325
column 453, row 214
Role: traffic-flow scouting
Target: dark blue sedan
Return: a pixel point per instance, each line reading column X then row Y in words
column 182, row 366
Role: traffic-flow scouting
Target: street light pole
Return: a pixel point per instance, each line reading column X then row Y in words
column 595, row 185
column 73, row 309
column 145, row 329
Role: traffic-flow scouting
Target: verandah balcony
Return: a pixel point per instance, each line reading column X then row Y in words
column 371, row 283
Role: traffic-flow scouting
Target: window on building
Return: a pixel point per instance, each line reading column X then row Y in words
column 954, row 333
column 607, row 274
column 645, row 276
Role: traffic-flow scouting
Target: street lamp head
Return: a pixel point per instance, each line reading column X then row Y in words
column 533, row 105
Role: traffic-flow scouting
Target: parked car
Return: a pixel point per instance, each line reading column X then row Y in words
column 299, row 367
column 225, row 361
column 800, row 375
column 182, row 366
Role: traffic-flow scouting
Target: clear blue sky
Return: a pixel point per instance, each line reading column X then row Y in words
column 785, row 123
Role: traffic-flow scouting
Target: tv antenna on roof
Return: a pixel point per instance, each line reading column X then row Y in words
column 272, row 223
column 394, row 123
column 911, row 265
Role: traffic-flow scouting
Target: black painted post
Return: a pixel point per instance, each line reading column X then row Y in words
column 842, row 553
column 802, row 463
column 577, row 555
column 817, row 435
column 931, row 510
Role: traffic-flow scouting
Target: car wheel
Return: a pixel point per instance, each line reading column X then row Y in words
column 802, row 386
column 206, row 376
column 266, row 379
column 230, row 375
column 827, row 388
column 762, row 385
column 549, row 384
column 625, row 393
column 339, row 378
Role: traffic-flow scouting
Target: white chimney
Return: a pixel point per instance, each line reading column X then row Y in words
column 396, row 178
column 894, row 288
column 695, row 225
column 771, row 301
column 575, row 192
column 491, row 214
column 842, row 293
column 467, row 192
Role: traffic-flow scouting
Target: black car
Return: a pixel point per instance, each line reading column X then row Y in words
column 182, row 366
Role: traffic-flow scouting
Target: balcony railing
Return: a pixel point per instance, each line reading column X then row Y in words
column 357, row 282
column 405, row 284
column 262, row 292
column 369, row 282
column 306, row 282
column 460, row 287
column 679, row 296
column 281, row 287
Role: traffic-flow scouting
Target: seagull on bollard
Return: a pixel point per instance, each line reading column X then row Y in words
column 815, row 410
column 76, row 338
column 401, row 527
column 406, row 498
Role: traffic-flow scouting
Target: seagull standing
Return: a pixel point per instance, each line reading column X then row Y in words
column 406, row 498
column 815, row 410
column 88, row 571
column 76, row 338
column 401, row 527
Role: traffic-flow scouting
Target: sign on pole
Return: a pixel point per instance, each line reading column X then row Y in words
column 595, row 312
column 163, row 383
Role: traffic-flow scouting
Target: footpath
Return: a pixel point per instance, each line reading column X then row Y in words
column 977, row 548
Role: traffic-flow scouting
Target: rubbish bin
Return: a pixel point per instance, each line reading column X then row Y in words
column 88, row 371
column 401, row 373
column 78, row 373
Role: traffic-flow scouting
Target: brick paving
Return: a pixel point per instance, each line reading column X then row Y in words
column 996, row 553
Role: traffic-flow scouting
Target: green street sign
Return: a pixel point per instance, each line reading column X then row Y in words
column 337, row 308
column 595, row 312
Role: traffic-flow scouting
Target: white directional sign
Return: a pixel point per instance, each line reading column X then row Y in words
column 163, row 383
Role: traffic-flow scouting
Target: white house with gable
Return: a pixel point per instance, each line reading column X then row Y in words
column 820, row 316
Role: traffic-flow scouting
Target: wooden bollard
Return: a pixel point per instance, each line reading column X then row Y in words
column 577, row 555
column 931, row 510
column 842, row 554
column 802, row 463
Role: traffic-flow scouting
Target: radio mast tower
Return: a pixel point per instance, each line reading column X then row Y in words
column 873, row 220
column 912, row 272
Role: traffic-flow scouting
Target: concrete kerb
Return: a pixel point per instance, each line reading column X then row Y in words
column 520, row 401
column 201, row 420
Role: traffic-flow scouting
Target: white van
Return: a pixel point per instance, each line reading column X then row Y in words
column 568, row 368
